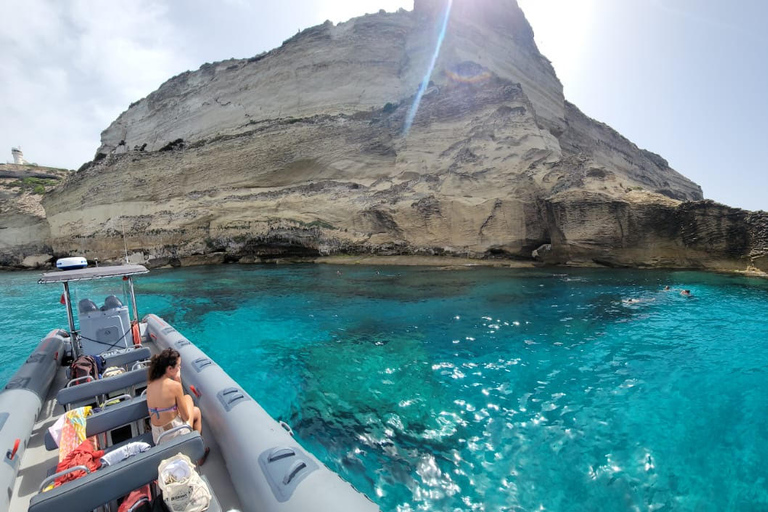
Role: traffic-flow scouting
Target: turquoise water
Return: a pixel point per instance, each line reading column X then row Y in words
column 482, row 389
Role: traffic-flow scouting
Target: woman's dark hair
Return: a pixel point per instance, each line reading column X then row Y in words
column 160, row 362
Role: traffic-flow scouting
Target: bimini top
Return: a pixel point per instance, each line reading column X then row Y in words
column 86, row 274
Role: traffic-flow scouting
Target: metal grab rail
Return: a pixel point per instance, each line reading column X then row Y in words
column 140, row 364
column 138, row 503
column 174, row 429
column 115, row 400
column 53, row 477
column 77, row 380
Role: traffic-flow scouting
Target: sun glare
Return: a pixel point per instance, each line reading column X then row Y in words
column 562, row 32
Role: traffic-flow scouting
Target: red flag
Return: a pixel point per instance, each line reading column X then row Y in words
column 63, row 300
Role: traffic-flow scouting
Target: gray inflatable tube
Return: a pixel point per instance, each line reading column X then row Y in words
column 20, row 403
column 269, row 469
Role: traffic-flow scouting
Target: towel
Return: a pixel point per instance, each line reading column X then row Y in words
column 82, row 455
column 122, row 453
column 73, row 431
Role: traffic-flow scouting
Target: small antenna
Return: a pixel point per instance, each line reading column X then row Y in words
column 125, row 245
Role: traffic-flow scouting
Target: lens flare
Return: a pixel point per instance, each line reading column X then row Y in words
column 425, row 81
column 468, row 73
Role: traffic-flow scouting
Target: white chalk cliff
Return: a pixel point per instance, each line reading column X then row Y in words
column 302, row 152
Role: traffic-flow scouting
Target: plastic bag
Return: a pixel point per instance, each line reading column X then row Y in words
column 183, row 489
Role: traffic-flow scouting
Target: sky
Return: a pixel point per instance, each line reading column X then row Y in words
column 687, row 79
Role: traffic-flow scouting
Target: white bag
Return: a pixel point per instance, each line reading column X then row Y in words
column 112, row 371
column 183, row 489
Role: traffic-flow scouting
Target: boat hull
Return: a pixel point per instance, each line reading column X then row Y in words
column 20, row 404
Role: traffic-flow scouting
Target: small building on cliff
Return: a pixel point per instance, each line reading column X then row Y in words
column 18, row 156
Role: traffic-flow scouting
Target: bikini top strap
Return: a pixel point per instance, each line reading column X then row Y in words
column 158, row 410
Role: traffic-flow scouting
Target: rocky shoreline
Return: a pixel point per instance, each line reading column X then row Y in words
column 311, row 152
column 441, row 262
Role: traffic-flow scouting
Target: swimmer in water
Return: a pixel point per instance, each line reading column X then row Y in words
column 636, row 301
column 686, row 293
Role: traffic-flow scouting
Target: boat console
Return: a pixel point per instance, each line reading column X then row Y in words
column 104, row 328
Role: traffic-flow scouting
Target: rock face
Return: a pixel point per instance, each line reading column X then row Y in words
column 642, row 231
column 24, row 231
column 303, row 151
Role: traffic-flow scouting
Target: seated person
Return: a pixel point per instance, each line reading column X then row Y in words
column 168, row 406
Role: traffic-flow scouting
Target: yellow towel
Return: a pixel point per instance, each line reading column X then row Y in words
column 73, row 432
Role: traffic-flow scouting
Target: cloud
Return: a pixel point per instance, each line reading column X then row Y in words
column 70, row 68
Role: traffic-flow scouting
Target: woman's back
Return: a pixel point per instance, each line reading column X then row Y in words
column 169, row 408
column 161, row 400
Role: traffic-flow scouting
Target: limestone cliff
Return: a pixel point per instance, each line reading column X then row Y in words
column 302, row 152
column 24, row 231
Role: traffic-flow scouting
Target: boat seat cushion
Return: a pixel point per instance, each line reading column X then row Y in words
column 128, row 357
column 101, row 387
column 116, row 416
column 110, row 483
column 110, row 418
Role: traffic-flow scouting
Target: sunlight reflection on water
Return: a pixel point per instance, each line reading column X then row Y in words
column 486, row 389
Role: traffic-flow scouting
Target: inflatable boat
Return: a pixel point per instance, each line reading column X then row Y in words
column 255, row 464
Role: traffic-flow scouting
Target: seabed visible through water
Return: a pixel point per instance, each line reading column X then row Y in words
column 482, row 388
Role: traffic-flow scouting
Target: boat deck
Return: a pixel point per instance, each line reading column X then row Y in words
column 37, row 461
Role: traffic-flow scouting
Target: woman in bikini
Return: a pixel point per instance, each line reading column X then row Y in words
column 168, row 406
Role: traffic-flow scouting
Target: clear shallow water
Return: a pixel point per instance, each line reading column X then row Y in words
column 482, row 389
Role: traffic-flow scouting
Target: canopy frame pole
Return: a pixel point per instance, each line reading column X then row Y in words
column 71, row 319
column 133, row 299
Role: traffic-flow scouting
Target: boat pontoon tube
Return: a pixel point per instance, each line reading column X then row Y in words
column 270, row 471
column 20, row 403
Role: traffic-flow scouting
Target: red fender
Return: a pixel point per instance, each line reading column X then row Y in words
column 136, row 333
